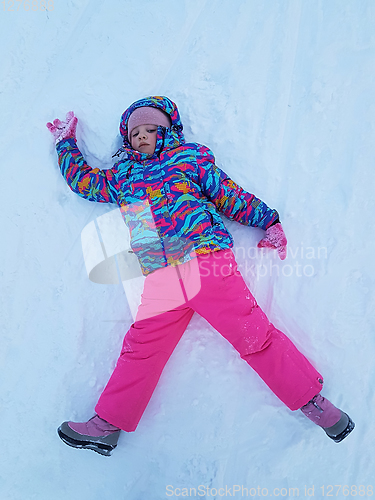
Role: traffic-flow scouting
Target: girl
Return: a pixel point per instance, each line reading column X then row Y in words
column 170, row 193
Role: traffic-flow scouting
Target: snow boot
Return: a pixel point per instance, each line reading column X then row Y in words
column 336, row 424
column 96, row 434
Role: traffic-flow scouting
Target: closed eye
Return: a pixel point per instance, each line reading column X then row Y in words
column 150, row 131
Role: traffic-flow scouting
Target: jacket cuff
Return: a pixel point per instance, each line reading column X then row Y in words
column 276, row 221
column 65, row 142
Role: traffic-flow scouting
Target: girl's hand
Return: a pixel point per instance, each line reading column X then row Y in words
column 63, row 129
column 275, row 238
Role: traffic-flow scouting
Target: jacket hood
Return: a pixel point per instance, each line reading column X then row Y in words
column 162, row 103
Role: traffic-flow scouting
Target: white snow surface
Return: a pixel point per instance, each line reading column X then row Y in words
column 283, row 92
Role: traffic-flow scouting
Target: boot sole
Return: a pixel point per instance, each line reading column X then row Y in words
column 348, row 429
column 102, row 449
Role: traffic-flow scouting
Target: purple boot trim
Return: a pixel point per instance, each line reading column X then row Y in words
column 321, row 411
column 95, row 427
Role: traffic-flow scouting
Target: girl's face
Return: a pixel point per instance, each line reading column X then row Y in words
column 143, row 138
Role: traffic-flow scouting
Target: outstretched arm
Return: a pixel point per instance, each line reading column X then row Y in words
column 239, row 205
column 92, row 184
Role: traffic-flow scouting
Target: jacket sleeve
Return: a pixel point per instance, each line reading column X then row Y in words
column 228, row 197
column 92, row 184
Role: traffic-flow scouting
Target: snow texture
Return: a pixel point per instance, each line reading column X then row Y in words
column 283, row 92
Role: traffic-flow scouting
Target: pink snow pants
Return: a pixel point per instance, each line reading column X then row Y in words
column 212, row 286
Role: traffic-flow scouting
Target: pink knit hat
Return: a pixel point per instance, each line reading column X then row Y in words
column 147, row 115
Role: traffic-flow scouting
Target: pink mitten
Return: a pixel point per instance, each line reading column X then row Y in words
column 275, row 238
column 63, row 130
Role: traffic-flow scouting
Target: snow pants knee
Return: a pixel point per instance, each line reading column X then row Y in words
column 212, row 286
